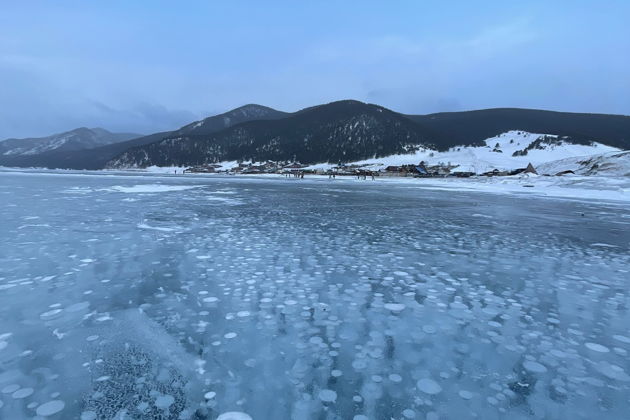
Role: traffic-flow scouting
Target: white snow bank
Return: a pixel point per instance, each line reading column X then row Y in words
column 163, row 169
column 574, row 187
column 151, row 188
column 224, row 166
column 148, row 227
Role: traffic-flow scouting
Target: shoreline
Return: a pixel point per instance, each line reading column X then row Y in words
column 609, row 188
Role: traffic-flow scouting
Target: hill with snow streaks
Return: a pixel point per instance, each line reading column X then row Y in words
column 337, row 132
column 45, row 151
column 78, row 139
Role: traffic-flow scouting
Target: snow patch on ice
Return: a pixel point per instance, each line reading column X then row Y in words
column 151, row 188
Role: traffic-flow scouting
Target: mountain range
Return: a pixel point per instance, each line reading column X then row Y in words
column 342, row 131
column 21, row 152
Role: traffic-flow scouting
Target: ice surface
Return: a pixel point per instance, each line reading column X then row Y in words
column 308, row 300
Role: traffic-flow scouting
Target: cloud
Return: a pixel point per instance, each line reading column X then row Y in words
column 122, row 68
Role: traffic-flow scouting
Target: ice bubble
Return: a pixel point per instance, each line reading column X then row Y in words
column 92, row 338
column 395, row 307
column 50, row 314
column 164, row 401
column 465, row 394
column 88, row 415
column 429, row 329
column 597, row 347
column 394, row 377
column 429, row 386
column 558, row 353
column 534, row 367
column 613, row 371
column 408, row 413
column 336, row 373
column 242, row 314
column 209, row 395
column 359, row 364
column 327, row 395
column 22, row 393
column 78, row 307
column 622, row 339
column 143, row 406
column 211, row 299
column 230, row 335
column 49, row 408
column 360, row 417
column 234, row 415
column 10, row 389
column 316, row 340
column 458, row 305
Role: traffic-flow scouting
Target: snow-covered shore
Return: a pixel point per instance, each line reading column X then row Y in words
column 609, row 188
column 571, row 186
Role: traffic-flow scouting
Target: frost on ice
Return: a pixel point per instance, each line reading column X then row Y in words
column 309, row 301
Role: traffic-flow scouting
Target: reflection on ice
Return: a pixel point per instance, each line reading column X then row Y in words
column 282, row 302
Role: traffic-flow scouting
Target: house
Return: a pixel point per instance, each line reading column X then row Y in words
column 463, row 171
column 463, row 174
column 528, row 170
column 208, row 169
column 393, row 169
column 495, row 172
column 421, row 169
column 294, row 167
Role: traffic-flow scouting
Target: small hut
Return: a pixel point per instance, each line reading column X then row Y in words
column 530, row 169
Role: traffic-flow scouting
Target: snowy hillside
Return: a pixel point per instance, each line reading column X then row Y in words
column 607, row 164
column 510, row 150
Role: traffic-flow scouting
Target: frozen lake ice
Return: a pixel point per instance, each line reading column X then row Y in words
column 233, row 298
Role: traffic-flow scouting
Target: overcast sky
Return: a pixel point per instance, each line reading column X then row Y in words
column 146, row 66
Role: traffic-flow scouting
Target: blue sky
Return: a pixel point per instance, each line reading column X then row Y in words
column 147, row 66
